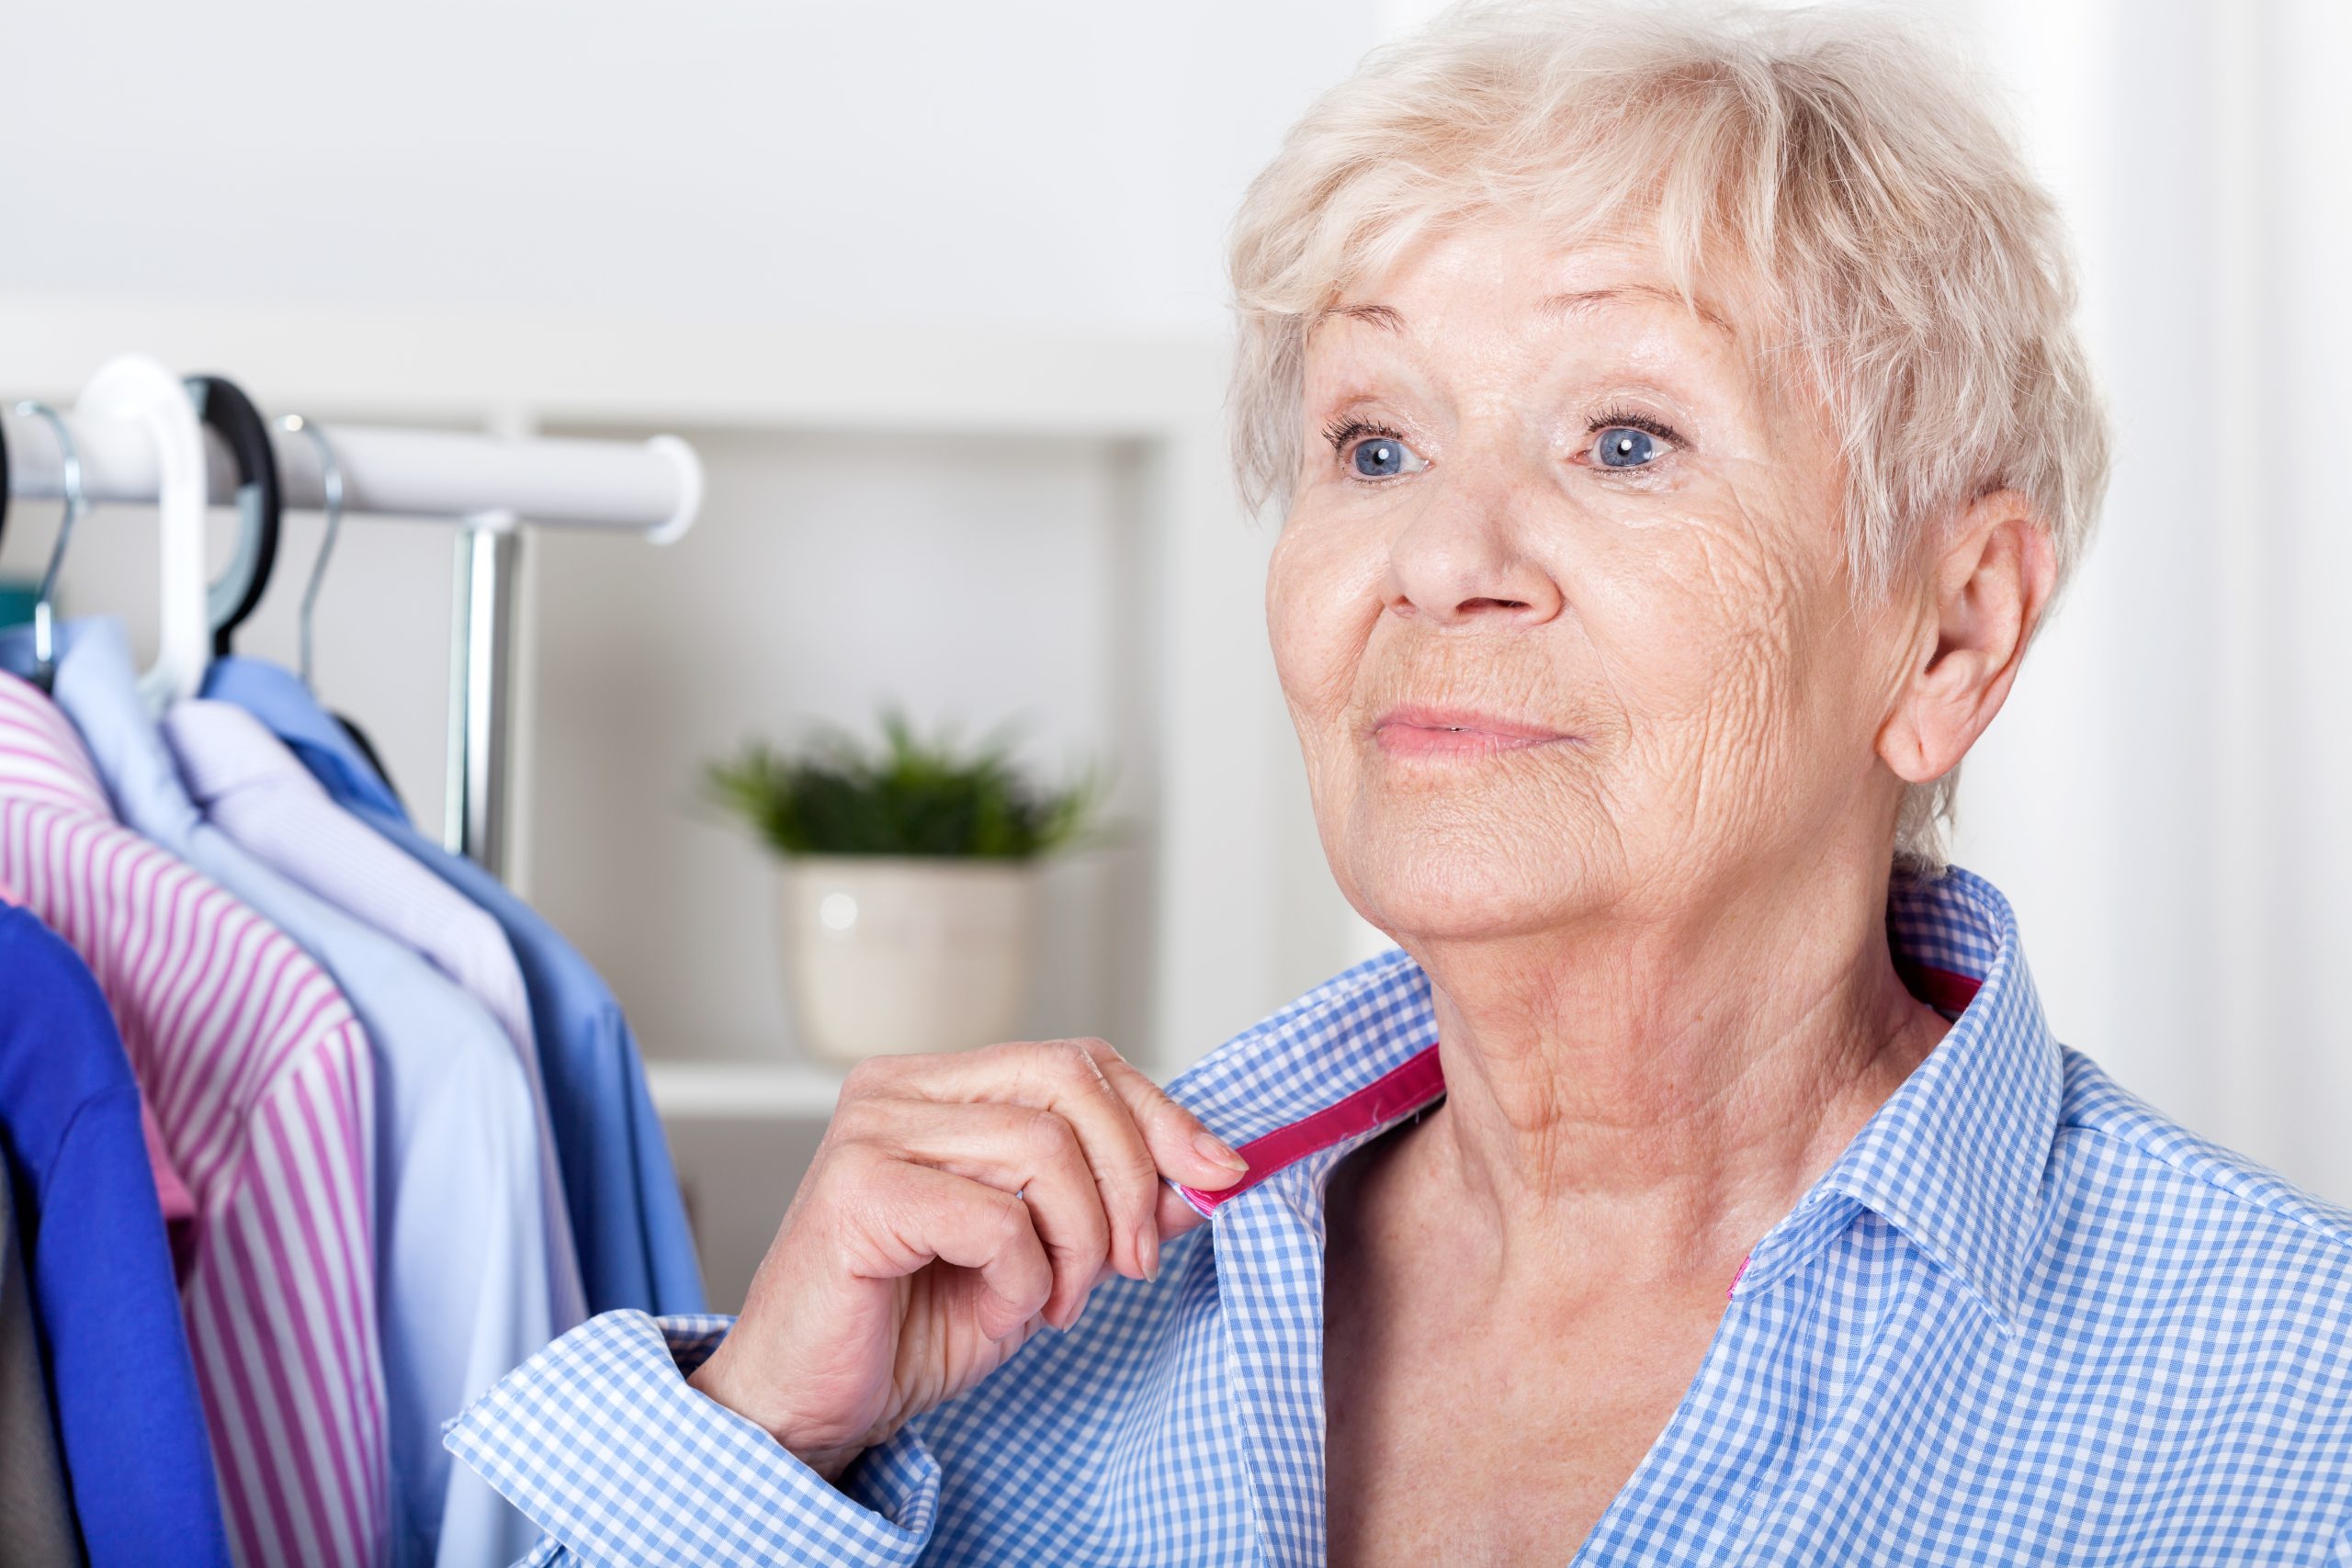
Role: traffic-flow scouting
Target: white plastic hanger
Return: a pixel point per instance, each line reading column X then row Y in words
column 134, row 387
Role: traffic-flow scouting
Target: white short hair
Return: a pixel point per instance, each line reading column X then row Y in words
column 1842, row 168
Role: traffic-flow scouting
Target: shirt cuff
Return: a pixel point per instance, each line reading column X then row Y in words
column 599, row 1440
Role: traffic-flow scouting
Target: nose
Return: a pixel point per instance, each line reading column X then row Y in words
column 1462, row 561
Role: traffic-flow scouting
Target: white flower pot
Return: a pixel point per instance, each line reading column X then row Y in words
column 886, row 955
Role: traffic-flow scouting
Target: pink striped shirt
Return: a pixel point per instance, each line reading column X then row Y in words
column 260, row 1083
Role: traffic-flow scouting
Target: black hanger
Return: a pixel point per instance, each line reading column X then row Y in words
column 4, row 482
column 260, row 501
column 359, row 737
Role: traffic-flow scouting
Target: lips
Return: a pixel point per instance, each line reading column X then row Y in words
column 1457, row 732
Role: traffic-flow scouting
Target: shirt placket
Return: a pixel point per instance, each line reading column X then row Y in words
column 1269, row 1251
column 1701, row 1493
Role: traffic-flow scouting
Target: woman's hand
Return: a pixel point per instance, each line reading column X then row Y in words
column 957, row 1203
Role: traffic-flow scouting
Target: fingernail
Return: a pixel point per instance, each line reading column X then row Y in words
column 1148, row 1249
column 1215, row 1150
column 1075, row 1313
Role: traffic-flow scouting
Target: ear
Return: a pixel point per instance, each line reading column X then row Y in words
column 1989, row 588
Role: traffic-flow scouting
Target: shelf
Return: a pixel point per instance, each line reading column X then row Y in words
column 407, row 365
column 799, row 1091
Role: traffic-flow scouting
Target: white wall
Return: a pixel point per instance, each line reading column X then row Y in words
column 1059, row 164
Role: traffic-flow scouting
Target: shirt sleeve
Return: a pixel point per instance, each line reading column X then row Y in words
column 600, row 1441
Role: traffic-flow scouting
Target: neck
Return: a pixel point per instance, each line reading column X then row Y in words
column 1651, row 1095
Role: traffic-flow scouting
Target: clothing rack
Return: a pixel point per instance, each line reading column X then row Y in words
column 488, row 485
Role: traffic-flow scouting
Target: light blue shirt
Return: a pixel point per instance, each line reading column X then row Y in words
column 628, row 1217
column 2022, row 1318
column 461, row 1245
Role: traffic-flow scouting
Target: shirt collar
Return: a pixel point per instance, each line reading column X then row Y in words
column 221, row 748
column 98, row 689
column 1953, row 1160
column 41, row 755
column 278, row 697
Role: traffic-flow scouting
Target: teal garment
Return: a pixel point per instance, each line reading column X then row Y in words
column 627, row 1219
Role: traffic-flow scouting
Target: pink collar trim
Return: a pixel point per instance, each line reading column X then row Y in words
column 1405, row 1087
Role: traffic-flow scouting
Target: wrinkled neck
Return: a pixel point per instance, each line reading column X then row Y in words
column 1658, row 1093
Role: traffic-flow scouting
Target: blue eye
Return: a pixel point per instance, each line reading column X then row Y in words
column 1622, row 446
column 1384, row 457
column 1370, row 452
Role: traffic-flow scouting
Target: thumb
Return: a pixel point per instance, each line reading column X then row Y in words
column 1175, row 1215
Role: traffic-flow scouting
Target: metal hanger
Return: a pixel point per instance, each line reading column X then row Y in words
column 331, row 486
column 331, row 483
column 69, row 467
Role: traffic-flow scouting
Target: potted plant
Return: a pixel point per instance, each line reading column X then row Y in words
column 906, row 881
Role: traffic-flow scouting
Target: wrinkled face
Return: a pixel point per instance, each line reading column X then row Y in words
column 1561, row 609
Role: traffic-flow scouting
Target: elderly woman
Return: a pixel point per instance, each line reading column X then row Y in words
column 1683, row 433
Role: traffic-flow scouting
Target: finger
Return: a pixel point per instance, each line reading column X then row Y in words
column 1016, row 1149
column 1180, row 1142
column 1173, row 1216
column 1181, row 1145
column 1067, row 1077
column 909, row 1214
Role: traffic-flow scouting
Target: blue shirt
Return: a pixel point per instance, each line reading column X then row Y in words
column 129, row 1422
column 2021, row 1318
column 461, row 1240
column 627, row 1218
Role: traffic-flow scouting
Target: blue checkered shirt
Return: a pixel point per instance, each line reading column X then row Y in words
column 2023, row 1318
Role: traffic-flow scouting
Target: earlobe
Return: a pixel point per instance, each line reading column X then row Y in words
column 1990, row 586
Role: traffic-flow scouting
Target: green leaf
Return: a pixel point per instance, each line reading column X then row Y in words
column 911, row 795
